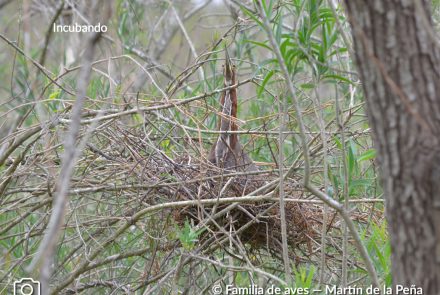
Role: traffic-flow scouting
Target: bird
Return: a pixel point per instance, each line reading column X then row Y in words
column 227, row 152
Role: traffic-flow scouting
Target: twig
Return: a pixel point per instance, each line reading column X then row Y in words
column 188, row 39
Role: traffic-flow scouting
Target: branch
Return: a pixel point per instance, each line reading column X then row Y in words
column 45, row 253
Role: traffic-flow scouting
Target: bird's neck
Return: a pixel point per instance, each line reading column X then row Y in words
column 229, row 112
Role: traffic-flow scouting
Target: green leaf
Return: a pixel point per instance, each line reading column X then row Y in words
column 188, row 236
column 351, row 161
column 55, row 94
column 251, row 15
column 334, row 179
column 265, row 81
column 368, row 155
column 337, row 77
column 338, row 142
column 285, row 44
column 307, row 85
column 261, row 44
column 358, row 183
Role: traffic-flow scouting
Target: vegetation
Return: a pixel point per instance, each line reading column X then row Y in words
column 143, row 210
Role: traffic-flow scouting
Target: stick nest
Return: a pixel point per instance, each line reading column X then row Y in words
column 173, row 178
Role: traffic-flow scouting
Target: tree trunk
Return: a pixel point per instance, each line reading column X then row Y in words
column 399, row 65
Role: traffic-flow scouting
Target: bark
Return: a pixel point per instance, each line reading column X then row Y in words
column 399, row 65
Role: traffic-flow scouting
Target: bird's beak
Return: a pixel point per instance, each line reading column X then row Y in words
column 228, row 65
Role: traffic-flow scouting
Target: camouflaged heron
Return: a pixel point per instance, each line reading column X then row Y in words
column 227, row 152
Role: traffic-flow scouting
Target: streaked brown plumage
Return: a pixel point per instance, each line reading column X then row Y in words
column 227, row 152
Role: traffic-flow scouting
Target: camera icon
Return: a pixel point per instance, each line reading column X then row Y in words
column 26, row 286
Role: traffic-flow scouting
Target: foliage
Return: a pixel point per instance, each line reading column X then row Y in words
column 150, row 111
column 188, row 236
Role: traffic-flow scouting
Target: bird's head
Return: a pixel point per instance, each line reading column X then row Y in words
column 228, row 69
